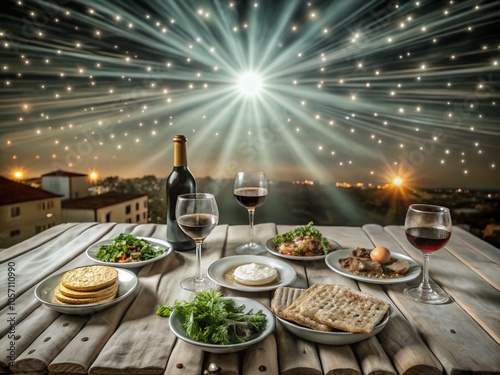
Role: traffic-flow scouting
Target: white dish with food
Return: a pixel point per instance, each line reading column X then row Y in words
column 332, row 338
column 179, row 330
column 44, row 292
column 156, row 243
column 222, row 272
column 332, row 261
column 273, row 250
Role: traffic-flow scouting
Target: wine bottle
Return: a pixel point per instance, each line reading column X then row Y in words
column 180, row 181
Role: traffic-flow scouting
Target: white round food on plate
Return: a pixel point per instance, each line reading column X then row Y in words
column 255, row 274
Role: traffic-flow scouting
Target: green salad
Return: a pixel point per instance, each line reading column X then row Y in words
column 215, row 320
column 126, row 248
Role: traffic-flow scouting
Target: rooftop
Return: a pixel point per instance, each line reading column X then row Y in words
column 60, row 173
column 95, row 202
column 15, row 192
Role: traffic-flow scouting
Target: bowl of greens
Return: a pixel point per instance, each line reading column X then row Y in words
column 128, row 251
column 219, row 324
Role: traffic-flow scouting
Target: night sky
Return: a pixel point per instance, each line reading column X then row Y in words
column 329, row 91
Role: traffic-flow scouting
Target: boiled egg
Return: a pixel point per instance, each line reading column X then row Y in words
column 380, row 254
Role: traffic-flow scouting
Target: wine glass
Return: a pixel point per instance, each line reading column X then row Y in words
column 250, row 191
column 428, row 228
column 197, row 215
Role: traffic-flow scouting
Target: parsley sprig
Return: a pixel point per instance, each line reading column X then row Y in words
column 215, row 320
column 307, row 230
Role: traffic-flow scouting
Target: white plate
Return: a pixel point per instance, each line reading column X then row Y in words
column 272, row 249
column 219, row 268
column 44, row 292
column 332, row 261
column 332, row 338
column 156, row 243
column 177, row 328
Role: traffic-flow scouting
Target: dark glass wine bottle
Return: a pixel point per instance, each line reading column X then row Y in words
column 180, row 181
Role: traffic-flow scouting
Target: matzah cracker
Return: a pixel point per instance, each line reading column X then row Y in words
column 283, row 297
column 90, row 294
column 292, row 312
column 89, row 278
column 343, row 308
column 83, row 301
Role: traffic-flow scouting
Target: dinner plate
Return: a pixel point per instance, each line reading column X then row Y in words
column 44, row 292
column 332, row 261
column 332, row 338
column 250, row 305
column 272, row 249
column 156, row 243
column 221, row 267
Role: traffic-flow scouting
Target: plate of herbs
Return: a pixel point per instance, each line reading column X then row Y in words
column 219, row 324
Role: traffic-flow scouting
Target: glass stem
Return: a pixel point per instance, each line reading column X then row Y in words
column 425, row 286
column 250, row 219
column 199, row 274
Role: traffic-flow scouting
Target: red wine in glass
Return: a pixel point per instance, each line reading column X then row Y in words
column 250, row 191
column 250, row 197
column 197, row 215
column 197, row 226
column 427, row 239
column 427, row 228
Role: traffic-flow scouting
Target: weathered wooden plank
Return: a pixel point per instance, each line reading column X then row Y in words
column 372, row 358
column 296, row 356
column 478, row 244
column 181, row 364
column 79, row 354
column 25, row 333
column 37, row 356
column 261, row 357
column 35, row 242
column 474, row 258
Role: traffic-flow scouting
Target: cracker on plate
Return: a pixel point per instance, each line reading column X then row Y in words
column 89, row 278
column 87, row 294
column 285, row 304
column 343, row 308
column 106, row 294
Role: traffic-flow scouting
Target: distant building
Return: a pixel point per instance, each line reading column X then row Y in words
column 64, row 197
column 107, row 207
column 25, row 211
column 70, row 185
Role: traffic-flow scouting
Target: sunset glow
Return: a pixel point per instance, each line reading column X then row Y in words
column 398, row 181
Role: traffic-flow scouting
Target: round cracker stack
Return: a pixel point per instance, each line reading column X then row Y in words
column 89, row 278
column 87, row 285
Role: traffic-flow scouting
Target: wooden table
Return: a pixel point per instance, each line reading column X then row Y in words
column 458, row 337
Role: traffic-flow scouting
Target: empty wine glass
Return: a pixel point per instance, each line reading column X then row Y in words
column 428, row 228
column 197, row 215
column 250, row 191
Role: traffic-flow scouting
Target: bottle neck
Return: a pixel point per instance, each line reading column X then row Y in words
column 180, row 154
